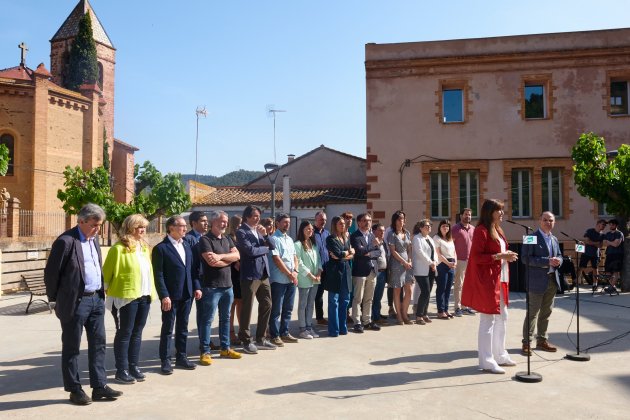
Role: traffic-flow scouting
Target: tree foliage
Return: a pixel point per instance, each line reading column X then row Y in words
column 156, row 194
column 4, row 159
column 601, row 178
column 83, row 65
column 106, row 160
column 605, row 179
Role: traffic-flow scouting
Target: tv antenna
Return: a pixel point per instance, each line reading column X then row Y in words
column 271, row 112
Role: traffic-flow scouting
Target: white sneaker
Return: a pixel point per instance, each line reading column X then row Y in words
column 313, row 333
column 305, row 335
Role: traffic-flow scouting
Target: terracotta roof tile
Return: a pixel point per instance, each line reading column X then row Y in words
column 17, row 73
column 301, row 196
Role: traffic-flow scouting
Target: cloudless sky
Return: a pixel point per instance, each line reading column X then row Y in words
column 239, row 57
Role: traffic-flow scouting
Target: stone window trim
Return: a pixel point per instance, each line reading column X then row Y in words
column 622, row 75
column 453, row 167
column 446, row 84
column 538, row 79
column 536, row 166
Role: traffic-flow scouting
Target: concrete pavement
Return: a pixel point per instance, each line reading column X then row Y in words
column 407, row 371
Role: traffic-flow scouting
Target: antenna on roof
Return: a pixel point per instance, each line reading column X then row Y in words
column 272, row 111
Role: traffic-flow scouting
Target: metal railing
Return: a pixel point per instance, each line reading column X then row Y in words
column 41, row 223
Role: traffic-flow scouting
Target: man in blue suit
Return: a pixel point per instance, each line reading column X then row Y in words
column 253, row 245
column 172, row 262
column 544, row 258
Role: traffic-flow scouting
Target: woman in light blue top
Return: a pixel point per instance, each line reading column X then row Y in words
column 309, row 277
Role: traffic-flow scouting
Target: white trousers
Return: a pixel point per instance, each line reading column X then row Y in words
column 491, row 338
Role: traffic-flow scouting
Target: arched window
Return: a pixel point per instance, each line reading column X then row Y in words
column 8, row 140
column 100, row 75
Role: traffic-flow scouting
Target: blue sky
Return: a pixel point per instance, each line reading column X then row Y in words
column 239, row 57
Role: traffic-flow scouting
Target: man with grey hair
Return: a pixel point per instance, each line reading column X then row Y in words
column 74, row 281
column 543, row 258
column 172, row 271
column 218, row 252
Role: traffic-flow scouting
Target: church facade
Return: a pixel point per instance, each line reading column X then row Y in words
column 47, row 127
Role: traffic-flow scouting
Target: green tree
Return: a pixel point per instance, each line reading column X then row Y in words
column 156, row 194
column 604, row 178
column 4, row 159
column 83, row 65
column 106, row 161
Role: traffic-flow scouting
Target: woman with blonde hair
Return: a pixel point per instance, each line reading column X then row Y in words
column 234, row 224
column 486, row 286
column 128, row 283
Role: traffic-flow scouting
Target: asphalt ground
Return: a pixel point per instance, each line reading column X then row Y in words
column 409, row 371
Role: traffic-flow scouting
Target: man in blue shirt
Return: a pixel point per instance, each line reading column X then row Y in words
column 74, row 280
column 283, row 276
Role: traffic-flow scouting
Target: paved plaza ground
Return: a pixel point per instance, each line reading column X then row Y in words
column 409, row 371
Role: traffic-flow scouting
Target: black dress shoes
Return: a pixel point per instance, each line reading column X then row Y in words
column 166, row 368
column 372, row 326
column 136, row 373
column 80, row 398
column 105, row 393
column 184, row 363
column 123, row 377
column 358, row 328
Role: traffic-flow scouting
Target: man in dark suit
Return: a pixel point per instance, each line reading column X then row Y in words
column 367, row 249
column 543, row 258
column 172, row 262
column 253, row 245
column 74, row 281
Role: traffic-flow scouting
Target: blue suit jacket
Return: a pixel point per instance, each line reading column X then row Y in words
column 172, row 278
column 537, row 258
column 362, row 263
column 253, row 250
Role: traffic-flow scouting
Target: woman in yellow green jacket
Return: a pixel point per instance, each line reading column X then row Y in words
column 309, row 278
column 129, row 287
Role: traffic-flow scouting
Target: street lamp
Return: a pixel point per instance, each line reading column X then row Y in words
column 272, row 171
column 200, row 111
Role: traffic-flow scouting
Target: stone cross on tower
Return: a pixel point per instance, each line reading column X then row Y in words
column 24, row 49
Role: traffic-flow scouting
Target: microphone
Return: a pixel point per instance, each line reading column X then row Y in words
column 518, row 224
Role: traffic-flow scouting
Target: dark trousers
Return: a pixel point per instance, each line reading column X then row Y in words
column 443, row 283
column 177, row 317
column 381, row 279
column 319, row 300
column 89, row 314
column 426, row 284
column 130, row 321
column 282, row 299
column 262, row 291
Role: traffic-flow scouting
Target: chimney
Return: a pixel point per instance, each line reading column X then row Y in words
column 290, row 158
column 286, row 194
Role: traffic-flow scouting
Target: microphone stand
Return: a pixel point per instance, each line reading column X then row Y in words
column 577, row 357
column 528, row 376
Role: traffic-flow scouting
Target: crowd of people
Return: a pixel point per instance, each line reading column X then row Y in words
column 223, row 264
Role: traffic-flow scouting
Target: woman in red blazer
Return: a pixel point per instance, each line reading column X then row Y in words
column 486, row 286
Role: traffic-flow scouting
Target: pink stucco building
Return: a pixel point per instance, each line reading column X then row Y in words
column 450, row 123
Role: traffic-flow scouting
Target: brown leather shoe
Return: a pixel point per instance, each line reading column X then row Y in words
column 526, row 350
column 545, row 345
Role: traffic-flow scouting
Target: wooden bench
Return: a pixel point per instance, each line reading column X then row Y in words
column 37, row 287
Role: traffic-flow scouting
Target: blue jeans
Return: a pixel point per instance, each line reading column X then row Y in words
column 89, row 315
column 177, row 317
column 338, row 310
column 443, row 283
column 210, row 299
column 282, row 297
column 130, row 321
column 306, row 304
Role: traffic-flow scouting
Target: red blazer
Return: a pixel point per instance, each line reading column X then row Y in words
column 482, row 284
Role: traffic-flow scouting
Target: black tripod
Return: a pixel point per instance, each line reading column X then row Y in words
column 577, row 357
column 527, row 376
